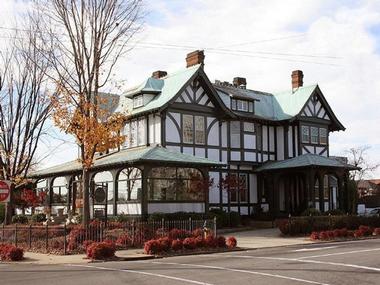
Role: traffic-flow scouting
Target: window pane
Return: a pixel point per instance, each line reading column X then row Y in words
column 249, row 127
column 199, row 130
column 314, row 135
column 235, row 134
column 133, row 132
column 233, row 103
column 163, row 172
column 322, row 136
column 243, row 191
column 187, row 128
column 141, row 132
column 305, row 134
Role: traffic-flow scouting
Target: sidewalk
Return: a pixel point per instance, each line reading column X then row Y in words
column 40, row 258
column 265, row 238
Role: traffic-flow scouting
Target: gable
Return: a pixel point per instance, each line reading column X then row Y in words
column 194, row 93
column 314, row 108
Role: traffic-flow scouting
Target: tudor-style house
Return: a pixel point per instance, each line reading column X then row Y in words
column 182, row 125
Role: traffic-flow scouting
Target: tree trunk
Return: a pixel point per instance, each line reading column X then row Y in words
column 9, row 208
column 86, row 197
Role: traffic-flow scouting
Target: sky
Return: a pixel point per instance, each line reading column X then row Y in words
column 335, row 43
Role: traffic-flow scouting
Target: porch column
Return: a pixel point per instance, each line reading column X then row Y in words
column 206, row 178
column 310, row 189
column 340, row 192
column 115, row 178
column 321, row 178
column 69, row 182
column 49, row 184
column 145, row 170
column 275, row 203
column 345, row 196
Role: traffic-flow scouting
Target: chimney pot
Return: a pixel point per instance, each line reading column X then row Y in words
column 297, row 79
column 195, row 57
column 159, row 74
column 239, row 81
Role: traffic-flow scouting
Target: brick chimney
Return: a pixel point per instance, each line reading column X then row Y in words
column 239, row 82
column 195, row 57
column 159, row 73
column 297, row 79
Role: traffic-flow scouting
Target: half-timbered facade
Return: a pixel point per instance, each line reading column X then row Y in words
column 277, row 144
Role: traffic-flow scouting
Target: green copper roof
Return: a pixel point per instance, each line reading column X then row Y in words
column 168, row 87
column 305, row 160
column 127, row 157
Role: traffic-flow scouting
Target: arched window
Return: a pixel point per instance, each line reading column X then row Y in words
column 129, row 185
column 105, row 179
column 60, row 190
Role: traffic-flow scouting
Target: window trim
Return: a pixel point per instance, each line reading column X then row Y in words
column 138, row 101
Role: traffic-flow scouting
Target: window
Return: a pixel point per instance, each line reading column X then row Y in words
column 135, row 133
column 138, row 101
column 242, row 105
column 235, row 134
column 305, row 134
column 249, row 127
column 322, row 136
column 314, row 135
column 250, row 107
column 187, row 127
column 129, row 185
column 233, row 104
column 199, row 130
column 175, row 184
column 326, row 192
column 242, row 188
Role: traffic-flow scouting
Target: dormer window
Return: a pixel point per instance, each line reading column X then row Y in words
column 242, row 105
column 138, row 101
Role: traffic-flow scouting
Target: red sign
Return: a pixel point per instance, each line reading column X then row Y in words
column 5, row 191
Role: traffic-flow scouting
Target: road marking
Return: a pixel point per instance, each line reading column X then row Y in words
column 313, row 249
column 341, row 253
column 308, row 261
column 240, row 271
column 144, row 273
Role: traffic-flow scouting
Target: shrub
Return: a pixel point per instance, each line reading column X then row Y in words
column 235, row 219
column 367, row 231
column 337, row 233
column 179, row 234
column 10, row 252
column 330, row 234
column 335, row 212
column 221, row 240
column 210, row 241
column 123, row 240
column 198, row 233
column 152, row 247
column 343, row 232
column 311, row 212
column 38, row 218
column 358, row 233
column 376, row 231
column 222, row 219
column 314, row 236
column 323, row 235
column 200, row 242
column 165, row 243
column 176, row 245
column 189, row 243
column 87, row 243
column 20, row 219
column 101, row 250
column 231, row 242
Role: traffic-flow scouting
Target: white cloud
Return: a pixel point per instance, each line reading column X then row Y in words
column 332, row 28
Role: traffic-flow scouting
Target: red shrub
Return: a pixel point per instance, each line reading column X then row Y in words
column 337, row 233
column 221, row 240
column 87, row 243
column 231, row 242
column 376, row 231
column 200, row 242
column 314, row 236
column 189, row 243
column 165, row 243
column 358, row 233
column 152, row 247
column 123, row 240
column 323, row 235
column 198, row 233
column 350, row 233
column 179, row 234
column 210, row 241
column 177, row 245
column 367, row 231
column 10, row 252
column 343, row 232
column 101, row 250
column 330, row 234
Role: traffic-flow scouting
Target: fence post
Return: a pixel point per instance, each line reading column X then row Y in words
column 215, row 226
column 162, row 226
column 16, row 235
column 330, row 222
column 30, row 236
column 47, row 237
column 290, row 224
column 190, row 225
column 133, row 232
column 3, row 236
column 64, row 240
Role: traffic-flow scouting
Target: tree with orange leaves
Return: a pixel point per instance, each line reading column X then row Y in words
column 82, row 41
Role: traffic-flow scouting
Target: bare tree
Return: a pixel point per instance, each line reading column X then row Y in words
column 24, row 109
column 357, row 156
column 83, row 40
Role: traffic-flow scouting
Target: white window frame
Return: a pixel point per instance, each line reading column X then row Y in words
column 235, row 134
column 323, row 136
column 199, row 127
column 305, row 134
column 242, row 105
column 138, row 101
column 314, row 137
column 187, row 128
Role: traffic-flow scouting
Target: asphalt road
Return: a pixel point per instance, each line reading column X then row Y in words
column 338, row 263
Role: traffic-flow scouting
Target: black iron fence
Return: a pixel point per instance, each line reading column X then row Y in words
column 74, row 238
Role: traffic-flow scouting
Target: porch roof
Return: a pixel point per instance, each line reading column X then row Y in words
column 139, row 155
column 305, row 161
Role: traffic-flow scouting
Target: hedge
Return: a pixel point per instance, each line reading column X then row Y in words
column 309, row 224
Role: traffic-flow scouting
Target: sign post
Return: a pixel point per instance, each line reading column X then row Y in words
column 5, row 191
